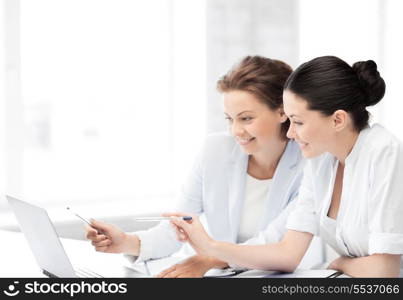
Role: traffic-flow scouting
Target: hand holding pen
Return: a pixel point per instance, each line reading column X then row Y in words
column 109, row 238
column 105, row 237
column 191, row 231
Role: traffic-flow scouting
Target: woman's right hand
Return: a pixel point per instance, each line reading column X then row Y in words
column 109, row 238
column 191, row 231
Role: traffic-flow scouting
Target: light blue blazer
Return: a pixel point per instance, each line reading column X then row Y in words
column 215, row 188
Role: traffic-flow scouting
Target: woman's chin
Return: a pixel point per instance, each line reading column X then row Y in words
column 248, row 150
column 308, row 153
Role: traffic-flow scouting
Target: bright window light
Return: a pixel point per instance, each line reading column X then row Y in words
column 113, row 95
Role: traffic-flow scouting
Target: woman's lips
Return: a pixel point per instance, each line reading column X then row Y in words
column 244, row 142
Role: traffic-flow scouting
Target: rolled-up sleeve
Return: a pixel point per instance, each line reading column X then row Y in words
column 304, row 216
column 385, row 209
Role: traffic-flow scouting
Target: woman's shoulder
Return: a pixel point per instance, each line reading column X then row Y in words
column 379, row 138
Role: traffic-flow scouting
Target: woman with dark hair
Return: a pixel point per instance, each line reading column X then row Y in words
column 242, row 182
column 351, row 193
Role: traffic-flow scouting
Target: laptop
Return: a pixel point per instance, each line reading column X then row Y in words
column 47, row 248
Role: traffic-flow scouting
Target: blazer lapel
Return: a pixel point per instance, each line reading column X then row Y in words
column 236, row 189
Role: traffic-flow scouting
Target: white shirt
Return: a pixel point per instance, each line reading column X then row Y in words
column 256, row 192
column 371, row 204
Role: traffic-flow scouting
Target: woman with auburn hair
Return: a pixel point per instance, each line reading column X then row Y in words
column 351, row 193
column 243, row 182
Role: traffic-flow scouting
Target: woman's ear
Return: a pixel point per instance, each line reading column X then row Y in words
column 283, row 116
column 340, row 119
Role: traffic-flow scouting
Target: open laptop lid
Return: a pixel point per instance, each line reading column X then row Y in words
column 42, row 238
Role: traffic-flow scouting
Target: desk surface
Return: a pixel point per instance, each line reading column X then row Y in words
column 17, row 260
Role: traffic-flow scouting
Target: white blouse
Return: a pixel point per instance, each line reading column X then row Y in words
column 256, row 191
column 371, row 205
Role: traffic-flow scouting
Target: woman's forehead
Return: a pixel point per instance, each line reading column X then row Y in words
column 293, row 104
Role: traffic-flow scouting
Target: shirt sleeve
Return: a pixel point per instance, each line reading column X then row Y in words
column 385, row 206
column 304, row 217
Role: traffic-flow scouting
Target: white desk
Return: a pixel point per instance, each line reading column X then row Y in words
column 17, row 260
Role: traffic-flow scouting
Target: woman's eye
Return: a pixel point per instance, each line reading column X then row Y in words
column 297, row 123
column 228, row 119
column 246, row 119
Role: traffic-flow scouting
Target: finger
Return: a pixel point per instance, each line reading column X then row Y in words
column 90, row 232
column 173, row 274
column 165, row 272
column 101, row 249
column 184, row 225
column 104, row 243
column 99, row 238
column 181, row 237
column 100, row 226
column 180, row 234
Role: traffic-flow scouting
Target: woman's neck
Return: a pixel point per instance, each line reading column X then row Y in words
column 344, row 143
column 262, row 165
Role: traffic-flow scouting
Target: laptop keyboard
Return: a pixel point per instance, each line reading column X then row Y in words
column 85, row 273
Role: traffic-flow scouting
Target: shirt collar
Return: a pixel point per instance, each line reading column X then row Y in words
column 359, row 143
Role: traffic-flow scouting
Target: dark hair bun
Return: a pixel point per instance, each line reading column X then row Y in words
column 370, row 80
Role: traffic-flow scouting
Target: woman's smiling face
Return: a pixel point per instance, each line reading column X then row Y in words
column 311, row 129
column 253, row 124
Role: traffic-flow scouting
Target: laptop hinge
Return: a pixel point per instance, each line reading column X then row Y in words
column 51, row 275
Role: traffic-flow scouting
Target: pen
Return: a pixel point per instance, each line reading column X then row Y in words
column 153, row 219
column 85, row 220
column 77, row 215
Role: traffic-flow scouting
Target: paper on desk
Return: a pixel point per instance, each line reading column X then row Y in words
column 254, row 274
column 219, row 273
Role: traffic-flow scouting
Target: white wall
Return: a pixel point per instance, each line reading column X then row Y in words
column 236, row 28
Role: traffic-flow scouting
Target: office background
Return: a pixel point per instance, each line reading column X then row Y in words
column 105, row 103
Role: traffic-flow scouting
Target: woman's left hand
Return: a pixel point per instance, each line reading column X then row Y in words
column 193, row 267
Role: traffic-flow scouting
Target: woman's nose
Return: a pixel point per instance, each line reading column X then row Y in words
column 236, row 129
column 290, row 131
